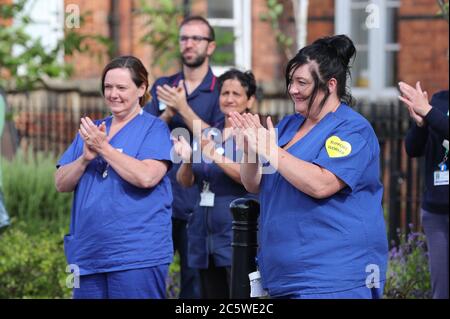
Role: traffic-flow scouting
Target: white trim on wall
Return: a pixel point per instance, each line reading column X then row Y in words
column 242, row 25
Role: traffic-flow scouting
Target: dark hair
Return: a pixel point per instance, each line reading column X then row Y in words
column 138, row 72
column 212, row 35
column 247, row 80
column 332, row 55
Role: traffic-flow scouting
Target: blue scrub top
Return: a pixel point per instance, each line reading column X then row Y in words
column 115, row 225
column 209, row 228
column 312, row 245
column 204, row 101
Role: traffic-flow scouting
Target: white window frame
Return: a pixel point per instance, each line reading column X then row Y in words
column 376, row 53
column 47, row 21
column 241, row 23
column 46, row 25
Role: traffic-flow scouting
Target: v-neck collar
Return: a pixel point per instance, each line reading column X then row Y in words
column 207, row 85
column 109, row 124
column 291, row 133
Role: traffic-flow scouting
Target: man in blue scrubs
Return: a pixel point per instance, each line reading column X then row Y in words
column 188, row 96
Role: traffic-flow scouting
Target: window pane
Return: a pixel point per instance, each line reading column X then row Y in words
column 391, row 68
column 220, row 9
column 359, row 32
column 360, row 69
column 391, row 25
column 224, row 53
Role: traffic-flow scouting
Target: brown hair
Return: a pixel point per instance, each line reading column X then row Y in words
column 200, row 19
column 138, row 72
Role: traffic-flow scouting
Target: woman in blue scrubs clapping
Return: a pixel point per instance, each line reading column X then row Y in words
column 216, row 173
column 120, row 232
column 322, row 231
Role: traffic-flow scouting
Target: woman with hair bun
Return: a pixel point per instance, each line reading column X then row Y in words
column 119, row 241
column 322, row 231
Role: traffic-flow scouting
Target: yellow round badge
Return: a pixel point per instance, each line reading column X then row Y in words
column 337, row 148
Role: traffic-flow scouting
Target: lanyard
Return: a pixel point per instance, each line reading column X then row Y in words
column 205, row 167
column 442, row 166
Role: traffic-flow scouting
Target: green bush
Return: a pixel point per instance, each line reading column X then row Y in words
column 32, row 261
column 30, row 193
column 32, row 265
column 173, row 279
column 408, row 275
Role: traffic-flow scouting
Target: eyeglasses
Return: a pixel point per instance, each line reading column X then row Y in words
column 195, row 38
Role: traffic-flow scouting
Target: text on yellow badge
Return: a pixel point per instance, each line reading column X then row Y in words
column 337, row 147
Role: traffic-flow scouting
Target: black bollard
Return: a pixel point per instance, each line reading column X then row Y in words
column 245, row 228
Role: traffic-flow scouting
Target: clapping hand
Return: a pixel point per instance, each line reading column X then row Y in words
column 173, row 97
column 94, row 137
column 416, row 101
column 252, row 137
column 182, row 149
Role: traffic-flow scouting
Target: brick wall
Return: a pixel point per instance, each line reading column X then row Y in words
column 130, row 32
column 90, row 65
column 266, row 57
column 422, row 35
column 424, row 45
column 423, row 38
column 320, row 19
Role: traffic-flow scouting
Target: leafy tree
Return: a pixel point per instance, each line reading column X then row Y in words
column 444, row 8
column 273, row 16
column 162, row 20
column 24, row 60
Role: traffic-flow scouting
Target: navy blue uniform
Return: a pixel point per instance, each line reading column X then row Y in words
column 204, row 101
column 209, row 228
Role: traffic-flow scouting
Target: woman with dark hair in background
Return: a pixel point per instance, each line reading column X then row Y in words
column 322, row 231
column 218, row 178
column 120, row 230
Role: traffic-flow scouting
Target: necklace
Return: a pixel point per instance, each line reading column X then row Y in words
column 140, row 112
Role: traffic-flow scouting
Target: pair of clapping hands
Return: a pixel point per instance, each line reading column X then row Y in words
column 184, row 150
column 173, row 97
column 94, row 137
column 416, row 101
column 250, row 135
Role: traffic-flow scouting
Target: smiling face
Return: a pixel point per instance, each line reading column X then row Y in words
column 233, row 97
column 195, row 52
column 301, row 88
column 121, row 93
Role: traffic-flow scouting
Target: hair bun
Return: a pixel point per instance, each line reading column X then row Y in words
column 344, row 47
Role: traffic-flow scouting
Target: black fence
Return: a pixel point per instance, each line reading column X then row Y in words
column 47, row 120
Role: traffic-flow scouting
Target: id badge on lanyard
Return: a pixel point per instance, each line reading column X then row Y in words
column 206, row 196
column 441, row 176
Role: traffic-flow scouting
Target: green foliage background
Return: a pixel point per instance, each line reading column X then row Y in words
column 32, row 262
column 31, row 60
